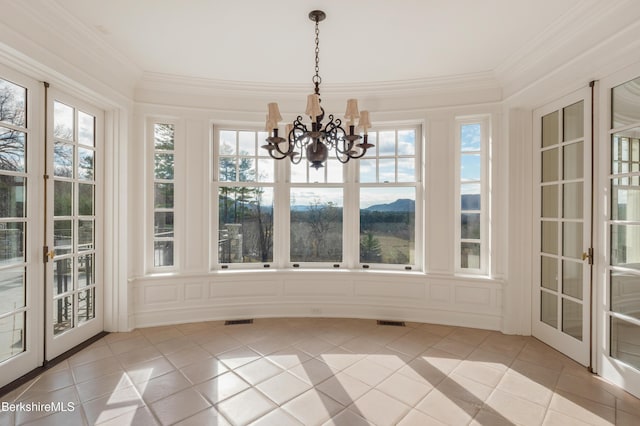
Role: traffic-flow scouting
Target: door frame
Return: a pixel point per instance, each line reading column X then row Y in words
column 575, row 349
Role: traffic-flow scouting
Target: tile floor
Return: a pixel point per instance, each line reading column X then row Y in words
column 321, row 372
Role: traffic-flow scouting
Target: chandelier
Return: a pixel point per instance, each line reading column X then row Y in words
column 320, row 138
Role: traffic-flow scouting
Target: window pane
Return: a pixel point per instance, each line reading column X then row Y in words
column 247, row 170
column 63, row 197
column 624, row 339
column 247, row 143
column 625, row 250
column 470, row 167
column 316, row 224
column 387, row 225
column 85, row 235
column 164, row 166
column 11, row 243
column 386, row 143
column 550, row 129
column 406, row 142
column 470, row 198
column 550, row 237
column 227, row 142
column 163, row 225
column 573, row 161
column 62, row 236
column 470, row 226
column 368, row 171
column 12, row 196
column 12, row 329
column 573, row 125
column 63, row 160
column 12, row 150
column 299, row 171
column 227, row 169
column 572, row 318
column 625, row 99
column 85, row 199
column 406, row 170
column 12, row 290
column 85, row 128
column 334, row 171
column 14, row 99
column 550, row 201
column 549, row 272
column 625, row 199
column 470, row 137
column 62, row 121
column 572, row 240
column 245, row 224
column 550, row 165
column 86, row 305
column 163, row 135
column 572, row 200
column 266, row 170
column 470, row 255
column 62, row 314
column 625, row 293
column 387, row 170
column 85, row 163
column 163, row 253
column 572, row 278
column 163, row 195
column 62, row 277
column 549, row 308
column 86, row 270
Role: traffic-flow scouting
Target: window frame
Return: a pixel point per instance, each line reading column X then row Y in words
column 484, row 120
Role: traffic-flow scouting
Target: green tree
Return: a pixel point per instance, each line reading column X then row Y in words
column 370, row 249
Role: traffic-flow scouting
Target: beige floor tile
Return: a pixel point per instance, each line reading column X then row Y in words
column 136, row 356
column 470, row 336
column 389, row 358
column 51, row 381
column 479, row 372
column 145, row 371
column 96, row 369
column 208, row 416
column 174, row 345
column 404, row 389
column 64, row 396
column 454, row 347
column 222, row 387
column 340, row 358
column 362, row 345
column 448, row 409
column 179, row 406
column 135, row 342
column 313, row 407
column 582, row 409
column 515, row 409
column 554, row 418
column 90, row 354
column 258, row 371
column 368, row 372
column 461, row 388
column 220, row 344
column 629, row 404
column 347, row 418
column 343, row 388
column 525, row 388
column 63, row 418
column 313, row 371
column 418, row 418
column 626, row 419
column 283, row 387
column 277, row 417
column 288, row 357
column 314, row 346
column 586, row 387
column 162, row 386
column 188, row 356
column 104, row 385
column 488, row 416
column 141, row 416
column 204, row 370
column 246, row 407
column 414, row 342
column 113, row 405
column 379, row 408
column 238, row 357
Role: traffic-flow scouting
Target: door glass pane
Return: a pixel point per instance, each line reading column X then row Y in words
column 12, row 149
column 550, row 129
column 86, row 305
column 62, row 121
column 572, row 279
column 85, row 235
column 625, row 99
column 572, row 240
column 62, row 314
column 549, row 272
column 63, row 197
column 625, row 341
column 470, row 255
column 12, row 196
column 86, row 270
column 85, row 163
column 550, row 165
column 14, row 103
column 550, row 201
column 86, row 128
column 63, row 160
column 549, row 308
column 625, row 198
column 86, row 199
column 625, row 293
column 12, row 332
column 62, row 236
column 572, row 318
column 12, row 243
column 12, row 291
column 572, row 200
column 573, row 121
column 625, row 249
column 550, row 237
column 573, row 161
column 163, row 253
column 62, row 278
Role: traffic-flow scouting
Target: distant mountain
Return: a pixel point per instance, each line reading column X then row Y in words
column 400, row 205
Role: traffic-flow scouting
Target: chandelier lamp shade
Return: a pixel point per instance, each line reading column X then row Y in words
column 317, row 139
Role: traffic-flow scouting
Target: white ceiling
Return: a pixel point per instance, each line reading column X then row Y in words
column 360, row 41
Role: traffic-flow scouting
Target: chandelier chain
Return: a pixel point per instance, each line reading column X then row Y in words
column 316, row 78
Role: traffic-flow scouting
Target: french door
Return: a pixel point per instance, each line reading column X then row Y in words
column 563, row 263
column 50, row 300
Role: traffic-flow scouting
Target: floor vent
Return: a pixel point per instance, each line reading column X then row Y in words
column 240, row 321
column 392, row 323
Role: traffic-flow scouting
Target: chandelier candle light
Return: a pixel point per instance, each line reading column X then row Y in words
column 320, row 138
